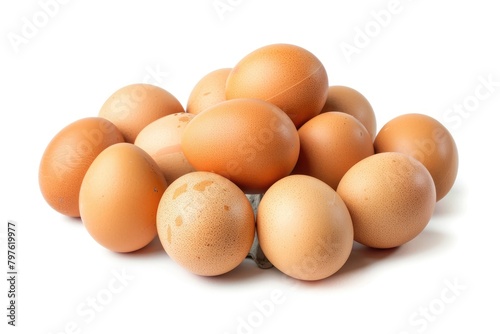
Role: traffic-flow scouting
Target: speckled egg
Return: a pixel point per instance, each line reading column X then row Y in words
column 205, row 223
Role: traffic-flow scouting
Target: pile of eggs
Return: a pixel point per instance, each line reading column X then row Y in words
column 271, row 127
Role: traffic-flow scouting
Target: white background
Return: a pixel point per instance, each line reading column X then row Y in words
column 430, row 56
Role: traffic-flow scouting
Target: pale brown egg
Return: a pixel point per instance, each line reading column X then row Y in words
column 352, row 102
column 249, row 141
column 428, row 141
column 210, row 90
column 67, row 158
column 205, row 223
column 330, row 144
column 304, row 228
column 133, row 107
column 119, row 198
column 391, row 198
column 286, row 75
column 161, row 139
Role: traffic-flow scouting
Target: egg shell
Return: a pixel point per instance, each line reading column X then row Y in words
column 119, row 198
column 428, row 141
column 208, row 91
column 249, row 141
column 391, row 198
column 304, row 228
column 161, row 139
column 350, row 101
column 286, row 75
column 133, row 107
column 67, row 158
column 330, row 144
column 205, row 223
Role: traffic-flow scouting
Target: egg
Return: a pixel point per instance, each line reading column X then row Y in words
column 161, row 139
column 205, row 223
column 330, row 144
column 67, row 158
column 119, row 198
column 428, row 141
column 249, row 141
column 350, row 101
column 286, row 75
column 133, row 107
column 304, row 228
column 209, row 90
column 391, row 198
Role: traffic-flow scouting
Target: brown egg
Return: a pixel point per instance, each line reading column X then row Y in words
column 133, row 107
column 330, row 144
column 390, row 197
column 352, row 102
column 428, row 141
column 161, row 139
column 286, row 75
column 210, row 90
column 251, row 142
column 205, row 223
column 304, row 228
column 119, row 198
column 67, row 158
